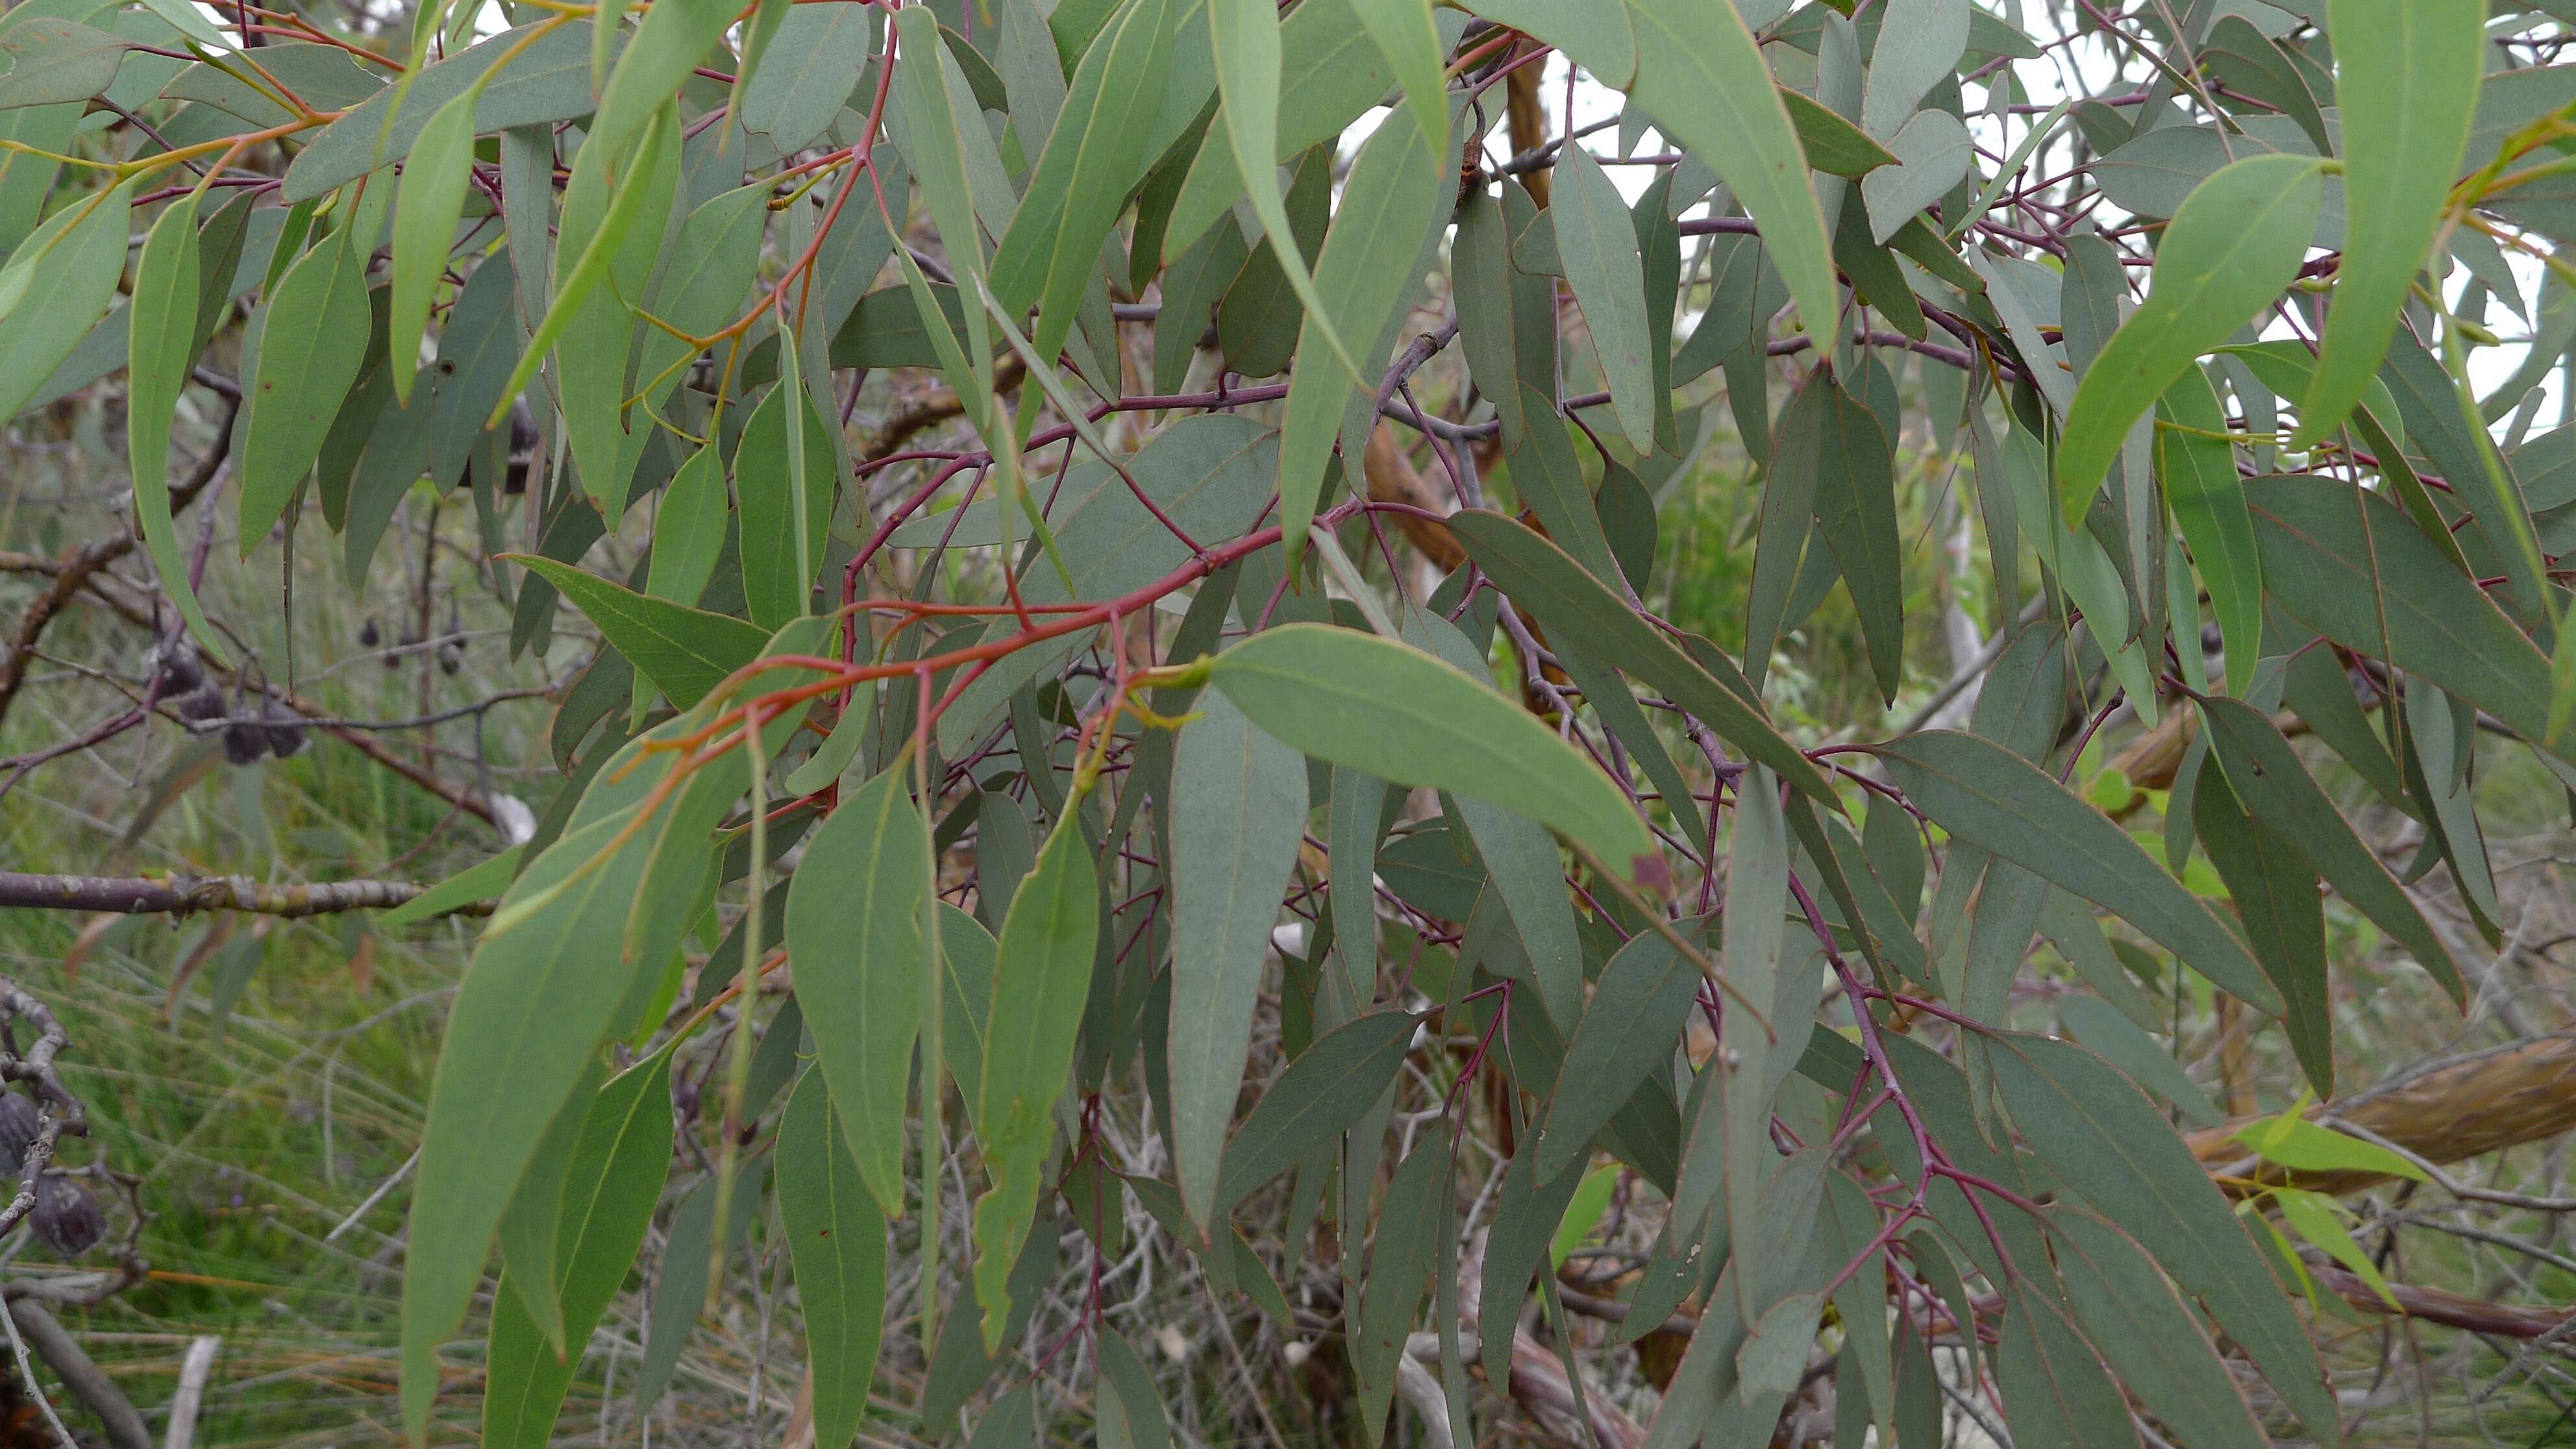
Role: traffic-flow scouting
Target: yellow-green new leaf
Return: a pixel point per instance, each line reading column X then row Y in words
column 1430, row 725
column 1041, row 976
column 163, row 341
column 854, row 930
column 313, row 336
column 425, row 213
column 2418, row 62
column 1703, row 79
column 2231, row 248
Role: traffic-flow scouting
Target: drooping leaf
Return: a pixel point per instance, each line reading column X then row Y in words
column 2109, row 1143
column 1702, row 77
column 1602, row 264
column 2349, row 565
column 1990, row 797
column 616, row 1175
column 2054, row 1388
column 2227, row 253
column 1094, row 158
column 1322, row 1092
column 2274, row 889
column 1539, row 575
column 1442, row 729
column 2199, row 474
column 1238, row 813
column 425, row 215
column 2269, row 777
column 2418, row 61
column 855, row 934
column 163, row 316
column 685, row 652
column 1041, row 974
column 1640, row 1001
column 836, row 1240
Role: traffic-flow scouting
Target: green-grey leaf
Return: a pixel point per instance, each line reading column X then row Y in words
column 619, row 1163
column 1326, row 1089
column 1437, row 727
column 836, row 1240
column 854, row 930
column 1237, row 815
column 58, row 284
column 2418, row 62
column 1984, row 794
column 1637, row 1008
column 2105, row 1140
column 2227, row 254
column 1540, row 576
column 1702, row 77
column 2346, row 563
column 163, row 342
column 2269, row 777
column 1041, row 975
column 1598, row 244
column 685, row 652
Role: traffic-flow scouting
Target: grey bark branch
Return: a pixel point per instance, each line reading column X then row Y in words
column 181, row 895
column 45, row 1334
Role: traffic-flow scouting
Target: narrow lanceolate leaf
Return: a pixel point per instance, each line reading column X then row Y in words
column 854, row 932
column 1094, row 158
column 2199, row 474
column 527, row 1238
column 2054, row 1389
column 1703, row 79
column 2104, row 1139
column 1245, row 37
column 1041, row 975
column 1326, row 1089
column 313, row 335
column 1636, row 1012
column 1238, row 811
column 1437, row 727
column 1542, row 578
column 1389, row 206
column 2346, row 563
column 1598, row 244
column 2276, row 787
column 542, row 990
column 2232, row 246
column 58, row 283
column 1855, row 503
column 1404, row 31
column 1757, row 903
column 425, row 214
column 619, row 1162
column 685, row 652
column 1988, row 796
column 836, row 1240
column 2419, row 62
column 2275, row 892
column 657, row 61
column 592, row 262
column 2156, row 1345
column 163, row 343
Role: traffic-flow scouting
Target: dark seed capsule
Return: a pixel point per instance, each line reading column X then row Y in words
column 368, row 637
column 18, row 1128
column 177, row 665
column 245, row 743
column 284, row 730
column 67, row 1219
column 207, row 703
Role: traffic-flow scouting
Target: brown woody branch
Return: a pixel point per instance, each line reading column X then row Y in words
column 181, row 895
